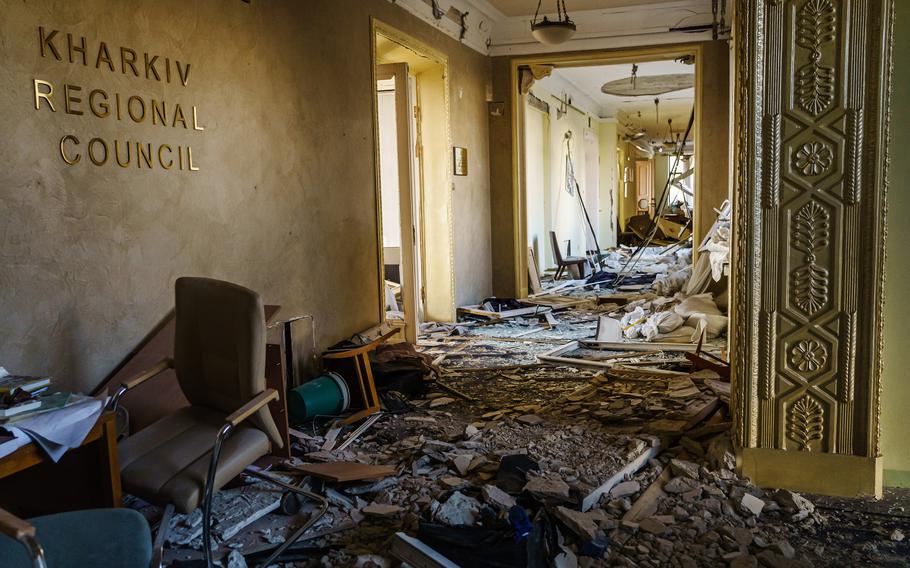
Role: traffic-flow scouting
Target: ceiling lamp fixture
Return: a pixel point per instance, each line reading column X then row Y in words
column 553, row 32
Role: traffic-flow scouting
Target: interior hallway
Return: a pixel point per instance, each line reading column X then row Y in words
column 246, row 143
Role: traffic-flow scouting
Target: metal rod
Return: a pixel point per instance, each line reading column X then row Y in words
column 360, row 430
column 310, row 522
column 209, row 491
column 161, row 536
column 35, row 551
column 115, row 400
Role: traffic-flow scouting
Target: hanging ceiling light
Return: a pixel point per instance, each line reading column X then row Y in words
column 553, row 32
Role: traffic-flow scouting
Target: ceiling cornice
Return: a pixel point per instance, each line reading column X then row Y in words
column 490, row 32
column 479, row 21
column 609, row 28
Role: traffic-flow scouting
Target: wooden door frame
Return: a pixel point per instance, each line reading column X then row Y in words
column 577, row 59
column 380, row 28
column 409, row 256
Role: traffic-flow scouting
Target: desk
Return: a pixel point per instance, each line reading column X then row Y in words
column 85, row 477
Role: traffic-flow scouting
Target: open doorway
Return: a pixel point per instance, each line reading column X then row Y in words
column 413, row 180
column 619, row 192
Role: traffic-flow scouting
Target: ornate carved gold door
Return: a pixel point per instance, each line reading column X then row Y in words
column 813, row 85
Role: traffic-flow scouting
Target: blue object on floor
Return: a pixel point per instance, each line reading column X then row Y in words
column 326, row 395
column 520, row 522
column 85, row 539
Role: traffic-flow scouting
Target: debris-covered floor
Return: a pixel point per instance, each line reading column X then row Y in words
column 621, row 457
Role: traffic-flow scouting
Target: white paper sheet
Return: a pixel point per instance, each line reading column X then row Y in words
column 56, row 431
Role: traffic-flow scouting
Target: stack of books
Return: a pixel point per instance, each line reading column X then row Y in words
column 17, row 394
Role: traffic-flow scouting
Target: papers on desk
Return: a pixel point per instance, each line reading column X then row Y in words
column 56, row 431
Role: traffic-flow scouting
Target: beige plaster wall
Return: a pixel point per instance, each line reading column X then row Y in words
column 712, row 177
column 284, row 201
column 502, row 190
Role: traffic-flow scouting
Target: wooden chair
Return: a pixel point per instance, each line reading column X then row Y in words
column 568, row 262
column 354, row 365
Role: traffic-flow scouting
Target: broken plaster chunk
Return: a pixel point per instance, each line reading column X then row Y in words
column 692, row 446
column 681, row 485
column 565, row 559
column 462, row 463
column 372, row 561
column 470, row 431
column 794, row 503
column 236, row 560
column 784, row 548
column 530, row 419
column 752, row 504
column 742, row 536
column 497, row 498
column 897, row 535
column 547, row 487
column 624, row 489
column 582, row 524
column 652, row 526
column 684, row 468
column 441, row 401
column 458, row 510
column 381, row 510
column 744, row 561
column 453, row 482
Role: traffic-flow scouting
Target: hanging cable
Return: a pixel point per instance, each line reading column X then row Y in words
column 652, row 227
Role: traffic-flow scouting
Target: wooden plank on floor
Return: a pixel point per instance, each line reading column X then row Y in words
column 346, row 471
column 629, row 469
column 415, row 553
column 646, row 505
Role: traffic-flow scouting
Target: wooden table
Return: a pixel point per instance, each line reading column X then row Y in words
column 85, row 477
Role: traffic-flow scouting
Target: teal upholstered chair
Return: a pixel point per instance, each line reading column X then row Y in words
column 78, row 539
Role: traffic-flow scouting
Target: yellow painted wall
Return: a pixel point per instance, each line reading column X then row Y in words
column 561, row 211
column 896, row 377
column 437, row 198
column 609, row 178
column 627, row 191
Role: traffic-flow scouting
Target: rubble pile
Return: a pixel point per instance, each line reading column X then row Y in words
column 464, row 471
column 537, row 446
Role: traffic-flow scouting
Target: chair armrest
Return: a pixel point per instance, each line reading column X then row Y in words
column 158, row 368
column 245, row 411
column 134, row 382
column 14, row 527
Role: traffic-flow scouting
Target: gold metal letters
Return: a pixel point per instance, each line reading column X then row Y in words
column 77, row 50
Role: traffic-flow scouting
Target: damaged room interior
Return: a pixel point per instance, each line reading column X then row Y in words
column 454, row 283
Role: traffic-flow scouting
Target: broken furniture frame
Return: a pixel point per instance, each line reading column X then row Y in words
column 359, row 358
column 704, row 360
column 230, row 423
column 24, row 532
column 556, row 355
column 531, row 311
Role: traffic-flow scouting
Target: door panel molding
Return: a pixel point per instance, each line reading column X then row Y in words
column 813, row 83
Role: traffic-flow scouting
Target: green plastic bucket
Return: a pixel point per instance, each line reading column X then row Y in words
column 326, row 395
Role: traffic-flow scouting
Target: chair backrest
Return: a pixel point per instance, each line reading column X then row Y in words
column 554, row 242
column 219, row 347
